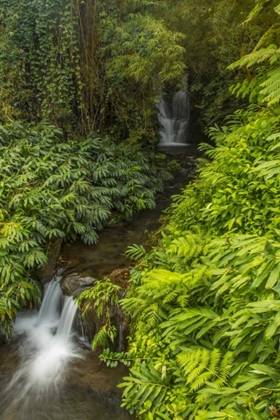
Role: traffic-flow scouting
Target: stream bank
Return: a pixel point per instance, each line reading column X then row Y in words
column 88, row 390
column 100, row 260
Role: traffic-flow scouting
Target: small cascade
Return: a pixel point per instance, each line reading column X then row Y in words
column 82, row 330
column 48, row 366
column 46, row 349
column 49, row 312
column 66, row 320
column 174, row 117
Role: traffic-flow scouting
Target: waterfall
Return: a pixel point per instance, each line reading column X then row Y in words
column 49, row 312
column 174, row 115
column 46, row 348
column 66, row 320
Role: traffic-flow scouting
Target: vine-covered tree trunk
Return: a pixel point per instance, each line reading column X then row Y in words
column 86, row 66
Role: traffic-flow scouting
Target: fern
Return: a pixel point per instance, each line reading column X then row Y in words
column 112, row 359
column 136, row 252
column 271, row 88
column 256, row 57
column 104, row 336
column 144, row 384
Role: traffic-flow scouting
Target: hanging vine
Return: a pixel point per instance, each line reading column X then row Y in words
column 64, row 62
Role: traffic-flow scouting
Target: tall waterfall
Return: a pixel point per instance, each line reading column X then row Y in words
column 45, row 348
column 174, row 115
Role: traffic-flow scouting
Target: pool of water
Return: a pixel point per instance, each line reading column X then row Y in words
column 87, row 391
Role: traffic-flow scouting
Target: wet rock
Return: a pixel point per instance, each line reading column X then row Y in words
column 74, row 282
column 77, row 292
column 120, row 276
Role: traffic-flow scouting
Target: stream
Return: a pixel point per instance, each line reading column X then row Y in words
column 44, row 374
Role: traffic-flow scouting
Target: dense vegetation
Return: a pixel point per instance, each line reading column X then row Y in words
column 78, row 86
column 204, row 302
column 217, row 33
column 85, row 66
column 100, row 65
column 51, row 190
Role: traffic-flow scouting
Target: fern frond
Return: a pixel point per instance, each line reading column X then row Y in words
column 201, row 366
column 277, row 9
column 271, row 88
column 136, row 252
column 103, row 337
column 256, row 57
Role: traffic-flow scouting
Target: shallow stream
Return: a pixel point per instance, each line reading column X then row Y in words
column 83, row 389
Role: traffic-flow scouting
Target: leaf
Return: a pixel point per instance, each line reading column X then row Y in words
column 256, row 415
column 252, row 383
column 273, row 278
column 266, row 370
column 272, row 327
column 263, row 273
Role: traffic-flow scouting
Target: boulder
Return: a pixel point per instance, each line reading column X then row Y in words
column 73, row 283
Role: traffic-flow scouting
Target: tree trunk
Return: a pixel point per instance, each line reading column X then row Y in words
column 53, row 255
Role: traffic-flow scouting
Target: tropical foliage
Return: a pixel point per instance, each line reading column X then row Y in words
column 204, row 303
column 86, row 66
column 215, row 36
column 207, row 335
column 101, row 299
column 50, row 189
column 95, row 65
